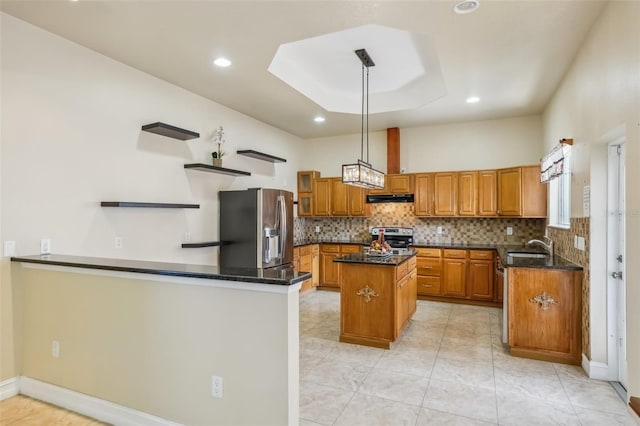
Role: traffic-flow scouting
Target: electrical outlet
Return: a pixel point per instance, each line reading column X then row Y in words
column 45, row 246
column 317, row 229
column 439, row 229
column 509, row 230
column 118, row 242
column 55, row 349
column 581, row 243
column 9, row 248
column 187, row 237
column 216, row 387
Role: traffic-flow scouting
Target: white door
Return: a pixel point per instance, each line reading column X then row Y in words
column 616, row 255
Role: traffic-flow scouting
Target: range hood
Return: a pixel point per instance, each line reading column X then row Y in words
column 390, row 198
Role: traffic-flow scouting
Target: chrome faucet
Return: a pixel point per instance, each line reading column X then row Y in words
column 548, row 247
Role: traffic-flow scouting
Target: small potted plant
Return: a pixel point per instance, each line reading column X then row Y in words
column 218, row 139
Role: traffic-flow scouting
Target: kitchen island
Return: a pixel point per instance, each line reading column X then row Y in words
column 144, row 339
column 377, row 298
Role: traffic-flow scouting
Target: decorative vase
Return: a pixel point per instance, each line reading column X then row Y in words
column 217, row 162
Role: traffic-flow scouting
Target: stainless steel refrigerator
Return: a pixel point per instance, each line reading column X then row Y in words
column 256, row 228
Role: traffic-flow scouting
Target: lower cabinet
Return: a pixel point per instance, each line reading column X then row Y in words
column 307, row 259
column 376, row 302
column 330, row 270
column 456, row 274
column 545, row 314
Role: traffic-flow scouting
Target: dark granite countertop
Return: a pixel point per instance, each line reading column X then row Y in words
column 556, row 262
column 393, row 260
column 299, row 243
column 276, row 276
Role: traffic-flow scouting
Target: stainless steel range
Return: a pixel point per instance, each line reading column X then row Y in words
column 398, row 238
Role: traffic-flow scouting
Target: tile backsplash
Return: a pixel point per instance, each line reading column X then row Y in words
column 454, row 230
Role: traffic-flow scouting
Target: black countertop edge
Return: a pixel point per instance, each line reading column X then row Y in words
column 556, row 262
column 393, row 260
column 274, row 276
column 301, row 243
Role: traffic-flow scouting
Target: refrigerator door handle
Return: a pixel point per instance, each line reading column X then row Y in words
column 282, row 225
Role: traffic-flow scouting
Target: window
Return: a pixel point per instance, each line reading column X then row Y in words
column 560, row 195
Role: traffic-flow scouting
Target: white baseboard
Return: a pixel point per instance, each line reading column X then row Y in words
column 598, row 370
column 9, row 388
column 89, row 406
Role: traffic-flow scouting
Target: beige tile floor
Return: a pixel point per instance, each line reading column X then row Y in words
column 449, row 368
column 23, row 411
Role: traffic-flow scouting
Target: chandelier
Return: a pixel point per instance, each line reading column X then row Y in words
column 361, row 173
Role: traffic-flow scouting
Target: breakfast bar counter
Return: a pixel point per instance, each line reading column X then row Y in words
column 377, row 298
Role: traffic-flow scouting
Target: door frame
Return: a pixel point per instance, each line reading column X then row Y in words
column 616, row 203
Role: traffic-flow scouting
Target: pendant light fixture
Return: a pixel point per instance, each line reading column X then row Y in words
column 361, row 173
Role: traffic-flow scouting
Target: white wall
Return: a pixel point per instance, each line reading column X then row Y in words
column 600, row 97
column 71, row 138
column 461, row 146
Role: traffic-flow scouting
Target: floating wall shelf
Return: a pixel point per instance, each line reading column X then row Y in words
column 200, row 245
column 170, row 131
column 148, row 205
column 214, row 169
column 261, row 156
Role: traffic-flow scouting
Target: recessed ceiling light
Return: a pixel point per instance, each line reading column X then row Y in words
column 222, row 62
column 466, row 6
column 319, row 119
column 473, row 99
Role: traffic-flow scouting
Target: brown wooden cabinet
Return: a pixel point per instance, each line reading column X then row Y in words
column 330, row 270
column 454, row 273
column 307, row 259
column 305, row 192
column 400, row 183
column 339, row 197
column 322, row 197
column 487, row 193
column 467, row 193
column 376, row 302
column 423, row 194
column 357, row 201
column 520, row 192
column 429, row 270
column 481, row 274
column 445, row 193
column 510, row 192
column 545, row 314
column 534, row 193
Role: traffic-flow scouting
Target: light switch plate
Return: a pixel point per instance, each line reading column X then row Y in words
column 509, row 230
column 581, row 243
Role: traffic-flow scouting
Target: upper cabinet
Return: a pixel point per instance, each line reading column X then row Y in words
column 322, row 197
column 339, row 197
column 445, row 193
column 468, row 193
column 395, row 184
column 487, row 193
column 305, row 192
column 520, row 192
column 357, row 204
column 423, row 194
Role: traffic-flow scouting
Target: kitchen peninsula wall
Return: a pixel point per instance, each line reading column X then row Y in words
column 454, row 230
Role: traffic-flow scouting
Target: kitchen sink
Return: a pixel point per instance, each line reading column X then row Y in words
column 527, row 255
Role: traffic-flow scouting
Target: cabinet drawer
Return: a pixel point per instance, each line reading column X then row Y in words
column 455, row 253
column 428, row 252
column 429, row 267
column 429, row 285
column 305, row 250
column 331, row 248
column 401, row 270
column 351, row 248
column 411, row 264
column 481, row 254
